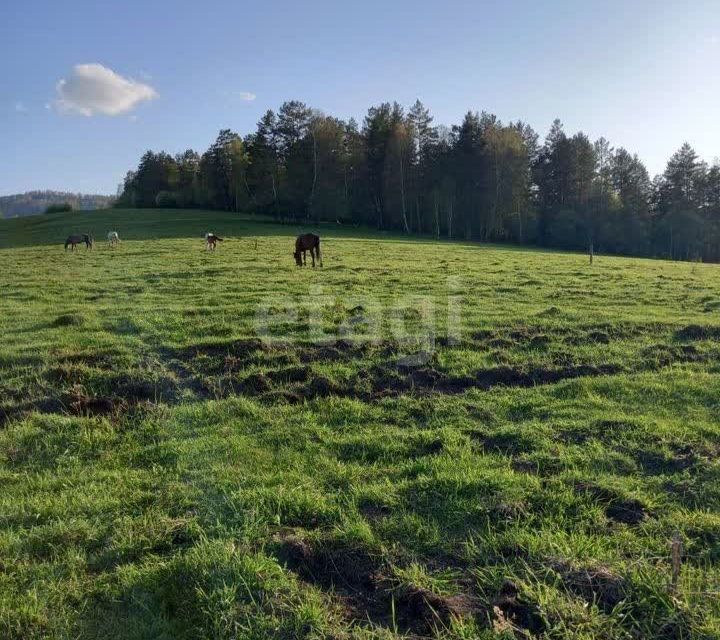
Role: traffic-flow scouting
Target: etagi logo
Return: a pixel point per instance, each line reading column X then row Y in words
column 412, row 322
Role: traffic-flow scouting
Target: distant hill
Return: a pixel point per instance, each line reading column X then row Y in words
column 33, row 202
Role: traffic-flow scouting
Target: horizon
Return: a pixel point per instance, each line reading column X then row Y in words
column 79, row 112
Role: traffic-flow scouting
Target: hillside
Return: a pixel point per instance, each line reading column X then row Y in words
column 420, row 439
column 34, row 202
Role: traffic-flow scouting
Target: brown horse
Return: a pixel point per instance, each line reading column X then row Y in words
column 73, row 241
column 211, row 241
column 303, row 243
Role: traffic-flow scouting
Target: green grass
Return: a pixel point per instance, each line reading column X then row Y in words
column 166, row 473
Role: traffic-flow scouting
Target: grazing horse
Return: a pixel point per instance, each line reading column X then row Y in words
column 211, row 241
column 113, row 238
column 74, row 240
column 304, row 242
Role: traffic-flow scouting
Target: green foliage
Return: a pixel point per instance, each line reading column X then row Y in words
column 166, row 200
column 166, row 474
column 481, row 180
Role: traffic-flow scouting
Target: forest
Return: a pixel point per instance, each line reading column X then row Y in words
column 481, row 180
column 33, row 202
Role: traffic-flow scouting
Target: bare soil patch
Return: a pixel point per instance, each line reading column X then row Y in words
column 361, row 583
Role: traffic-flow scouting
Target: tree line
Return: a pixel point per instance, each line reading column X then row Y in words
column 480, row 180
column 33, row 202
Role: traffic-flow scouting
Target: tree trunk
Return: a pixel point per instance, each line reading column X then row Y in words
column 251, row 195
column 402, row 195
column 315, row 172
column 417, row 213
column 497, row 194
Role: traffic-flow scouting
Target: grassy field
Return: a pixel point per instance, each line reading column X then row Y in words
column 502, row 443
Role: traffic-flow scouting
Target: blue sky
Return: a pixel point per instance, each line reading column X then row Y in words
column 644, row 73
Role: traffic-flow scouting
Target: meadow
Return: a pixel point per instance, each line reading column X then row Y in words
column 419, row 440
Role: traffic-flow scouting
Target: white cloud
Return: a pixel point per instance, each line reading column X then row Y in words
column 93, row 89
column 247, row 96
column 20, row 107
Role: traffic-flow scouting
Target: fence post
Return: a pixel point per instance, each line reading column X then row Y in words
column 676, row 560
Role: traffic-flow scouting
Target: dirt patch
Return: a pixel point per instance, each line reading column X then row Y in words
column 598, row 337
column 216, row 369
column 69, row 320
column 524, row 466
column 255, row 384
column 601, row 494
column 662, row 355
column 340, row 350
column 427, row 448
column 320, row 387
column 630, row 512
column 393, row 380
column 594, row 584
column 84, row 405
column 128, row 394
column 351, row 572
column 96, row 360
column 282, row 396
column 302, row 385
column 539, row 342
column 419, row 610
column 657, row 463
column 360, row 582
column 513, row 612
column 698, row 332
column 374, row 511
column 511, row 377
column 17, row 412
column 602, row 430
column 81, row 403
column 66, row 373
column 550, row 312
column 540, row 337
column 241, row 349
column 507, row 443
column 617, row 508
column 289, row 375
column 5, row 416
column 507, row 512
column 135, row 389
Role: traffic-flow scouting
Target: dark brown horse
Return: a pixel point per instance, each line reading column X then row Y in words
column 211, row 241
column 73, row 241
column 303, row 243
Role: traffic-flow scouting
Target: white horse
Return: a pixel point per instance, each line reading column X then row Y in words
column 113, row 238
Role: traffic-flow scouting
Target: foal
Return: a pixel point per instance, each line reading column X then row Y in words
column 113, row 238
